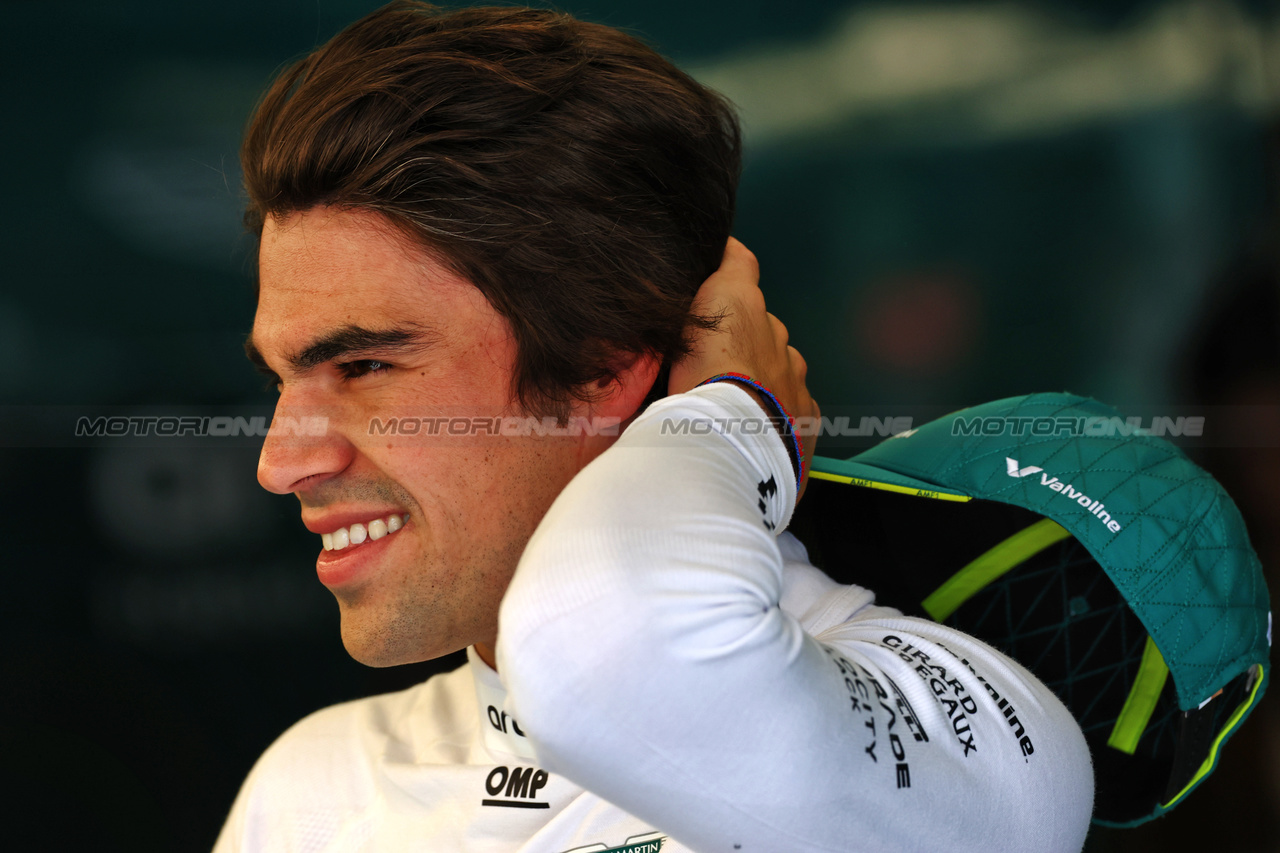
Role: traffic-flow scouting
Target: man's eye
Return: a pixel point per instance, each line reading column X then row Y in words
column 362, row 367
column 270, row 382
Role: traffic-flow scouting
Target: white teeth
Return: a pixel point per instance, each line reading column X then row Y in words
column 356, row 534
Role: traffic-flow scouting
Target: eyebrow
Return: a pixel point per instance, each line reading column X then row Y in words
column 347, row 342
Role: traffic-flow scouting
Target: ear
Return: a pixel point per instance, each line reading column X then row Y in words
column 623, row 395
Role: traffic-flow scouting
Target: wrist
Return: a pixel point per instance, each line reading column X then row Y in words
column 781, row 420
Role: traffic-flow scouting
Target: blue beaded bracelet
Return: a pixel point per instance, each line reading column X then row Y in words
column 795, row 447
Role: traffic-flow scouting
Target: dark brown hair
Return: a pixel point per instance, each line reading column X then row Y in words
column 580, row 180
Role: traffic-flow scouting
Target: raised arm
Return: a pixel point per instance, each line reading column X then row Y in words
column 666, row 650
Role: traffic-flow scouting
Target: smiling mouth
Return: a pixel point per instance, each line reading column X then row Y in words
column 357, row 534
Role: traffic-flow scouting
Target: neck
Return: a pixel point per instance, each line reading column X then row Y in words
column 485, row 651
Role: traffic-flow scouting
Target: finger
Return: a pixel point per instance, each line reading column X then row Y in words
column 780, row 333
column 800, row 366
column 740, row 258
column 738, row 275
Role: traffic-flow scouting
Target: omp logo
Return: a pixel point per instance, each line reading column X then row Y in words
column 521, row 786
column 1095, row 508
column 1015, row 471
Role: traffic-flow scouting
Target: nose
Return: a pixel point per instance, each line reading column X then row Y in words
column 303, row 448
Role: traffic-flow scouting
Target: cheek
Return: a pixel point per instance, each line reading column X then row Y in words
column 466, row 386
column 489, row 365
column 512, row 483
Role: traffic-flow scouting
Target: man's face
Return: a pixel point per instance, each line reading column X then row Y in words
column 359, row 324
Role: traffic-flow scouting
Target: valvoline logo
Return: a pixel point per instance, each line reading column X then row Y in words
column 1095, row 508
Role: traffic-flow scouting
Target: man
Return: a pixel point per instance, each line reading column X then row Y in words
column 498, row 216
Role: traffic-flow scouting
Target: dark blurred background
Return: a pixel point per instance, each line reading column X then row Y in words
column 951, row 202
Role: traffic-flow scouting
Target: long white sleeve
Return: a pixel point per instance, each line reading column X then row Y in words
column 665, row 649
